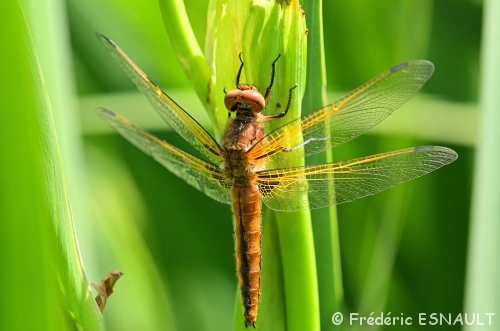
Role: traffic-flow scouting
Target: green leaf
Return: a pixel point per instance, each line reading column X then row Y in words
column 483, row 270
column 48, row 21
column 325, row 223
column 43, row 285
column 185, row 45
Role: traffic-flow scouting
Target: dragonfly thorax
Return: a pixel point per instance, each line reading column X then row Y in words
column 240, row 135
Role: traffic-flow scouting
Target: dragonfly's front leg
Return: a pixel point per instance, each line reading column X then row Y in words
column 283, row 113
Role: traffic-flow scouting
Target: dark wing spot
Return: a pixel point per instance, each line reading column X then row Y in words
column 399, row 67
column 424, row 148
column 107, row 111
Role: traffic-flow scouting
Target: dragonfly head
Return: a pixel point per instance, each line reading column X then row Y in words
column 245, row 97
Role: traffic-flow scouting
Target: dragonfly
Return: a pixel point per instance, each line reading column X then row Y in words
column 237, row 171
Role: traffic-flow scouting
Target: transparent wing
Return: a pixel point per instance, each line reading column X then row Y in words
column 201, row 174
column 170, row 111
column 347, row 118
column 318, row 186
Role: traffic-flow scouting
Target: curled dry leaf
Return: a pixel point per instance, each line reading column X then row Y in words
column 105, row 289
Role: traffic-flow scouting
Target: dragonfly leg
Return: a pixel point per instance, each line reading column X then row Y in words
column 283, row 113
column 239, row 72
column 270, row 87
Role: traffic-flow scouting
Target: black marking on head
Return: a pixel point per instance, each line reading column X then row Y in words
column 399, row 67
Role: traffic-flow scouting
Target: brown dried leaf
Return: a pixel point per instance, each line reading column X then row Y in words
column 105, row 289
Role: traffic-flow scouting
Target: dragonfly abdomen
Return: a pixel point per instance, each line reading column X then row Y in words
column 247, row 219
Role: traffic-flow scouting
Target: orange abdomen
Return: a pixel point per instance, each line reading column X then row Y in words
column 246, row 210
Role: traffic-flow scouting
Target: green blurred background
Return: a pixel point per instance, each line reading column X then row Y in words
column 403, row 250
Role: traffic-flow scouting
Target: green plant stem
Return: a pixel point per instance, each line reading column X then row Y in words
column 185, row 45
column 325, row 223
column 299, row 271
column 295, row 228
column 483, row 270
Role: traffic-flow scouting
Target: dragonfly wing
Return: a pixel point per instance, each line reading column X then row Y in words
column 317, row 186
column 201, row 174
column 167, row 108
column 347, row 118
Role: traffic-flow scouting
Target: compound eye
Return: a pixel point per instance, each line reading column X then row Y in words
column 231, row 99
column 254, row 97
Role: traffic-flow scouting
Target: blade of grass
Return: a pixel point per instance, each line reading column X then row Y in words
column 295, row 229
column 325, row 223
column 185, row 46
column 49, row 22
column 43, row 285
column 483, row 270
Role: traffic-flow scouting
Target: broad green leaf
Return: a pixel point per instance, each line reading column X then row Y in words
column 43, row 285
column 484, row 245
